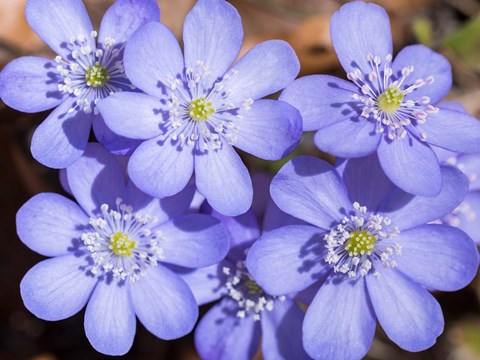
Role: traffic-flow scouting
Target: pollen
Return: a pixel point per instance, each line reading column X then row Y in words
column 200, row 109
column 253, row 287
column 96, row 75
column 121, row 244
column 360, row 243
column 391, row 99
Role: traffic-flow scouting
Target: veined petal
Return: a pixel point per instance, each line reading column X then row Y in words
column 212, row 34
column 30, row 84
column 407, row 211
column 133, row 115
column 206, row 283
column 310, row 189
column 339, row 329
column 453, row 130
column 194, row 240
column 411, row 165
column 110, row 322
column 288, row 259
column 57, row 288
column 224, row 180
column 164, row 303
column 221, row 335
column 321, row 99
column 354, row 137
column 160, row 167
column 269, row 130
column 438, row 257
column 61, row 138
column 50, row 224
column 426, row 63
column 265, row 69
column 124, row 17
column 66, row 19
column 151, row 64
column 410, row 316
column 96, row 178
column 114, row 143
column 282, row 332
column 359, row 29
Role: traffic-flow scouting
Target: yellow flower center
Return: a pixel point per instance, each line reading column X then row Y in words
column 121, row 244
column 200, row 109
column 391, row 99
column 96, row 75
column 360, row 243
column 253, row 287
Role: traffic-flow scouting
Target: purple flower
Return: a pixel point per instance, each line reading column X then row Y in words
column 389, row 106
column 200, row 104
column 368, row 254
column 111, row 251
column 246, row 315
column 83, row 72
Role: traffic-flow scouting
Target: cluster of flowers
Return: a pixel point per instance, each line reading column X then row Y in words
column 166, row 220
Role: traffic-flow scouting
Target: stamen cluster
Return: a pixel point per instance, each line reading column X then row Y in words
column 384, row 98
column 123, row 243
column 249, row 296
column 355, row 243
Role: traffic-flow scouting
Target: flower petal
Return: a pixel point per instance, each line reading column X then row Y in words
column 160, row 167
column 125, row 17
column 164, row 303
column 221, row 335
column 438, row 257
column 110, row 322
column 288, row 259
column 114, row 143
column 50, row 224
column 469, row 164
column 61, row 138
column 224, row 180
column 410, row 316
column 453, row 130
column 321, row 99
column 57, row 288
column 310, row 189
column 206, row 283
column 212, row 34
column 407, row 211
column 269, row 130
column 354, row 137
column 411, row 165
column 194, row 240
column 339, row 329
column 265, row 69
column 282, row 332
column 426, row 62
column 133, row 115
column 96, row 178
column 163, row 209
column 30, row 84
column 366, row 182
column 275, row 218
column 466, row 216
column 358, row 29
column 151, row 64
column 66, row 19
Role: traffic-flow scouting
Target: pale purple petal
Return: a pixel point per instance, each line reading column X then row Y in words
column 114, row 143
column 467, row 216
column 57, row 288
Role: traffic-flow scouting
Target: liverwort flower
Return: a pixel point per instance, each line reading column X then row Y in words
column 111, row 252
column 389, row 106
column 246, row 317
column 199, row 104
column 367, row 254
column 84, row 71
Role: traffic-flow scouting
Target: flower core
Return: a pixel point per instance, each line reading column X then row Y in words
column 391, row 99
column 358, row 243
column 96, row 75
column 200, row 109
column 121, row 244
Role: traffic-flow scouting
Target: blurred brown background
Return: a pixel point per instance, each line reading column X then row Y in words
column 451, row 27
